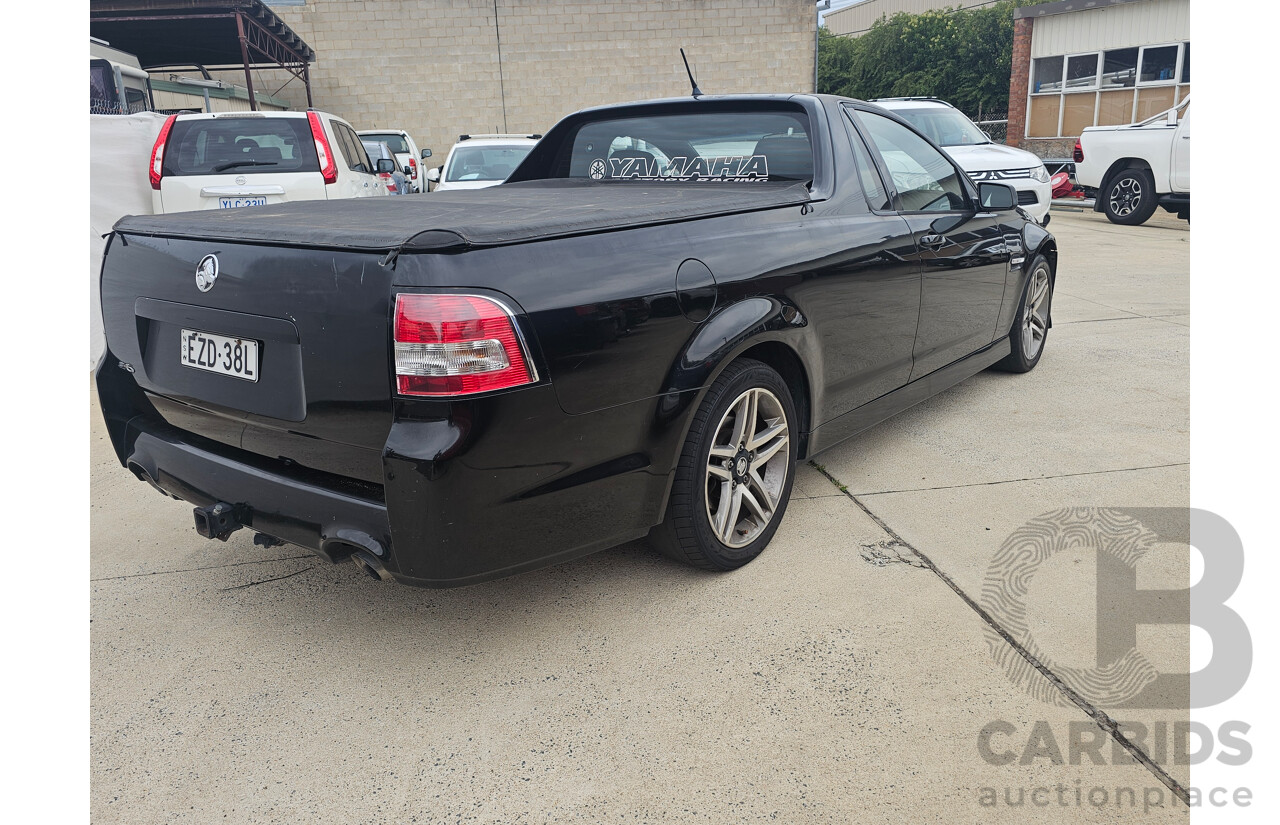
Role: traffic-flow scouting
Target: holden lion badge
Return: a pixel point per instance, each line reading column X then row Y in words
column 207, row 273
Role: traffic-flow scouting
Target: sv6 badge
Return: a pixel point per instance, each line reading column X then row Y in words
column 206, row 273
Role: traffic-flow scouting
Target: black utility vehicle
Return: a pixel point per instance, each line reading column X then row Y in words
column 665, row 307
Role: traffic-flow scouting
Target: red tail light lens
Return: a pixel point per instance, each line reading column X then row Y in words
column 1078, row 154
column 413, row 168
column 156, row 170
column 451, row 345
column 328, row 164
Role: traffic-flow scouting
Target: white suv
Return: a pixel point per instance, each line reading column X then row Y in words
column 406, row 151
column 973, row 150
column 227, row 160
column 479, row 161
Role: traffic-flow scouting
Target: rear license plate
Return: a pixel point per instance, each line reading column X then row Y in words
column 237, row 357
column 235, row 203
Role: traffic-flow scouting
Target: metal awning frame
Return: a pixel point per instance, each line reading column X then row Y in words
column 255, row 40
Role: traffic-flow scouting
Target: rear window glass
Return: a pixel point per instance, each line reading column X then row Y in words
column 397, row 143
column 240, row 145
column 487, row 163
column 726, row 147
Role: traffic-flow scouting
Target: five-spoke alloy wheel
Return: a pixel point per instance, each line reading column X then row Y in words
column 1031, row 324
column 747, row 467
column 735, row 472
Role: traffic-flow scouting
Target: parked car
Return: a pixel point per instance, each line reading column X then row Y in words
column 479, row 161
column 977, row 154
column 397, row 182
column 1139, row 167
column 230, row 160
column 406, row 152
column 640, row 333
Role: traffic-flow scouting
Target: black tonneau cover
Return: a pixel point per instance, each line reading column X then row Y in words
column 511, row 213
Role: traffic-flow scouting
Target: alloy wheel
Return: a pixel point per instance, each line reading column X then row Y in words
column 1035, row 315
column 747, row 467
column 1125, row 196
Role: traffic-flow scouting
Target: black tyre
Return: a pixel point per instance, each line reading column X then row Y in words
column 1031, row 325
column 1129, row 198
column 735, row 472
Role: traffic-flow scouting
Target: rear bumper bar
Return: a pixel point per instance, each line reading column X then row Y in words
column 294, row 509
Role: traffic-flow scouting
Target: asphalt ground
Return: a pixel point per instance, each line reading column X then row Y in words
column 847, row 675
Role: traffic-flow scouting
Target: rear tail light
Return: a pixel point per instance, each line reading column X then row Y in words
column 328, row 164
column 1078, row 154
column 156, row 170
column 451, row 345
column 413, row 168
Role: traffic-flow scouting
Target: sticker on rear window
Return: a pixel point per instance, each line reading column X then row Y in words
column 738, row 168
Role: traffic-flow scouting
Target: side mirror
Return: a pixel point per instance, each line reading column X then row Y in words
column 385, row 166
column 407, row 170
column 433, row 174
column 426, row 153
column 998, row 197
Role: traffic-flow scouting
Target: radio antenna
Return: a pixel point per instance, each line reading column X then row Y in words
column 696, row 91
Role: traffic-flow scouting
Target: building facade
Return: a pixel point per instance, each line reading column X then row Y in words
column 1080, row 63
column 440, row 68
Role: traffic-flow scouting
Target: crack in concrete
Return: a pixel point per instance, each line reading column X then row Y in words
column 1122, row 318
column 197, row 569
column 1099, row 717
column 823, row 470
column 266, row 581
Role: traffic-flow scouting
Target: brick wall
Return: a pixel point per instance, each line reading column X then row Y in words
column 1019, row 78
column 431, row 66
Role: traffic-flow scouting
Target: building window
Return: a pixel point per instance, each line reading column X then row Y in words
column 1070, row 93
column 1082, row 71
column 1119, row 68
column 1159, row 64
column 1047, row 74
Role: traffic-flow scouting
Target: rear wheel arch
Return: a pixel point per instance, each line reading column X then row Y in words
column 787, row 362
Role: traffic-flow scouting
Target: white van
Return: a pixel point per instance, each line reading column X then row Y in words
column 117, row 83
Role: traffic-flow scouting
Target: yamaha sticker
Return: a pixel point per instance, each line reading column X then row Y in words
column 739, row 168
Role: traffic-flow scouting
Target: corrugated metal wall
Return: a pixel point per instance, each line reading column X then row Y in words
column 1113, row 27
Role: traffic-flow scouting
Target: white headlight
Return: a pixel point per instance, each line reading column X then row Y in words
column 1039, row 173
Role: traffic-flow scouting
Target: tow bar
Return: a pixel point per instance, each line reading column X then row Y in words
column 217, row 521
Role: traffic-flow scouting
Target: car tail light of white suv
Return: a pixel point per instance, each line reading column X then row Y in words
column 453, row 345
column 328, row 163
column 156, row 171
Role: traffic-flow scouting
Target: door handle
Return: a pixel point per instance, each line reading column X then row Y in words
column 932, row 241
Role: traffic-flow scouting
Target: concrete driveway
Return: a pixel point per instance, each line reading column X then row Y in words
column 848, row 675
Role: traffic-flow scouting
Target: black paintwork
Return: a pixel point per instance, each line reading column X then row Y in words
column 626, row 329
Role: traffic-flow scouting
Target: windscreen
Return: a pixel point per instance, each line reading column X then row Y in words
column 946, row 127
column 240, row 145
column 487, row 163
column 722, row 147
column 397, row 142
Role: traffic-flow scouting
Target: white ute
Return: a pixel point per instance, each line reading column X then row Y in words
column 1137, row 167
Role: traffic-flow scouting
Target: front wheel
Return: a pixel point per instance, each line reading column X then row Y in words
column 1031, row 324
column 735, row 473
column 1129, row 198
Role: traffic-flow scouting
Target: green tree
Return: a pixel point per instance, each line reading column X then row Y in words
column 960, row 55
